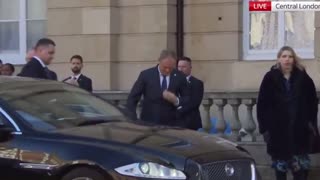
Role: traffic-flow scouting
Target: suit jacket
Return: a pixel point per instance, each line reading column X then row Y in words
column 83, row 81
column 34, row 69
column 189, row 112
column 155, row 109
column 52, row 75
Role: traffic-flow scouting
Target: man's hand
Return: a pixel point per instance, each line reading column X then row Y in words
column 72, row 82
column 169, row 96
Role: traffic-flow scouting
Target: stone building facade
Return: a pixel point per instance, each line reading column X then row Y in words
column 119, row 38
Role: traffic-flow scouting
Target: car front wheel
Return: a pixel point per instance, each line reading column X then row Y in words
column 83, row 173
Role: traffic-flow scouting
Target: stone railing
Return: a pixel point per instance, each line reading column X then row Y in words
column 220, row 100
column 234, row 99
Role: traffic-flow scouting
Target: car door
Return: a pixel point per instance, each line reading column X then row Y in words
column 19, row 156
column 9, row 155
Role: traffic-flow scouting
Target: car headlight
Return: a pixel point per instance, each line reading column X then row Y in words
column 150, row 170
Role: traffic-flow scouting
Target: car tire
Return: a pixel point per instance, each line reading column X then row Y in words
column 83, row 173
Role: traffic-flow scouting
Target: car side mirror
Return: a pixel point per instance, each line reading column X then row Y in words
column 5, row 132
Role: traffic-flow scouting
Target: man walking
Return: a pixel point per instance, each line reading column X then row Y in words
column 37, row 66
column 51, row 74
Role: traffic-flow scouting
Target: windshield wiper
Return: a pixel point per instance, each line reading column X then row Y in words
column 96, row 121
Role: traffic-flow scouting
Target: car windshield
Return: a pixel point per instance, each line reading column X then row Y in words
column 59, row 106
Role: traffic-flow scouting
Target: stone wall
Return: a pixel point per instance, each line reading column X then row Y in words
column 88, row 28
column 119, row 38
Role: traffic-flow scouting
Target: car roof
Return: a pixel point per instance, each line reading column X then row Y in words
column 12, row 83
column 5, row 79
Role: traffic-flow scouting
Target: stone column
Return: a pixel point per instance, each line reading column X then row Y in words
column 146, row 28
column 88, row 28
column 213, row 40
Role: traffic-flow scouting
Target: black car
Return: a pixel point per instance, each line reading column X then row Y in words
column 51, row 130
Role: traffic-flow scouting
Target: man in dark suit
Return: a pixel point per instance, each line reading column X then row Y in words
column 78, row 79
column 50, row 74
column 160, row 86
column 190, row 111
column 43, row 55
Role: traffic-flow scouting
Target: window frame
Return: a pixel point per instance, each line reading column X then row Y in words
column 257, row 55
column 9, row 122
column 19, row 58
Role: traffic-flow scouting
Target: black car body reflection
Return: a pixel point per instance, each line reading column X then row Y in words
column 50, row 130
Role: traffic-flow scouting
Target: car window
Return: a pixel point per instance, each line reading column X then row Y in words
column 4, row 121
column 50, row 109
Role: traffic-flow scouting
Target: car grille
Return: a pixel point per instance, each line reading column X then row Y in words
column 227, row 170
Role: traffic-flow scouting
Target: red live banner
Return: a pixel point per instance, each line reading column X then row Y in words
column 259, row 5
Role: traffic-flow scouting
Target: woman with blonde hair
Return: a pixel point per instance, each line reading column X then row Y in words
column 287, row 110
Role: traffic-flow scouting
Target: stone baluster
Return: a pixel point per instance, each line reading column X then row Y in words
column 206, row 120
column 235, row 121
column 249, row 123
column 122, row 103
column 220, row 124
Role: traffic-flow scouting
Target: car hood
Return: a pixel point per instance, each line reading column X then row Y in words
column 177, row 141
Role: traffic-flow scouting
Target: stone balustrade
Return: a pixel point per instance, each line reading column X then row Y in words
column 248, row 122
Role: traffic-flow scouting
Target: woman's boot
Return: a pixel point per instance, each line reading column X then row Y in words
column 281, row 175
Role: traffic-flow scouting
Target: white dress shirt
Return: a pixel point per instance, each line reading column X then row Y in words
column 76, row 77
column 40, row 61
column 168, row 82
column 161, row 78
column 188, row 78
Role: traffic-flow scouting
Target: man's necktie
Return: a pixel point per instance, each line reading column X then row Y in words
column 72, row 80
column 164, row 84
